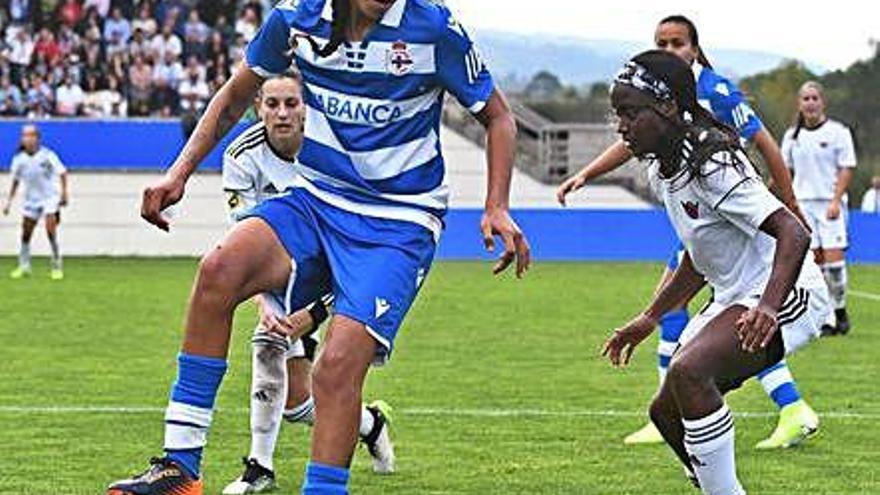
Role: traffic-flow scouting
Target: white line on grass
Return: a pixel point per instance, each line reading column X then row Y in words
column 865, row 295
column 423, row 411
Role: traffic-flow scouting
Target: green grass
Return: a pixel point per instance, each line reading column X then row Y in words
column 108, row 335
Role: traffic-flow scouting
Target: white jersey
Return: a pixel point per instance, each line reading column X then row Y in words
column 39, row 174
column 815, row 157
column 718, row 217
column 253, row 172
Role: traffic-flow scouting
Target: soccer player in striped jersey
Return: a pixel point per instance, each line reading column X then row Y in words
column 821, row 155
column 361, row 220
column 258, row 165
column 769, row 296
column 44, row 178
column 678, row 35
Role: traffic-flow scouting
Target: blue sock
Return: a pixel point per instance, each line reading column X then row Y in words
column 191, row 408
column 672, row 324
column 322, row 479
column 779, row 384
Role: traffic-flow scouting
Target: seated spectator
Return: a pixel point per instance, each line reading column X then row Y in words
column 138, row 45
column 70, row 13
column 93, row 63
column 237, row 50
column 47, row 47
column 165, row 42
column 216, row 44
column 195, row 35
column 22, row 11
column 140, row 92
column 102, row 7
column 226, row 31
column 193, row 92
column 92, row 106
column 167, row 75
column 107, row 102
column 20, row 53
column 248, row 22
column 117, row 31
column 174, row 12
column 91, row 26
column 39, row 97
column 69, row 98
column 219, row 66
column 145, row 21
column 68, row 41
column 871, row 199
column 11, row 102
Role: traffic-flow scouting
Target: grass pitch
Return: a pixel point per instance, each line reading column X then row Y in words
column 497, row 385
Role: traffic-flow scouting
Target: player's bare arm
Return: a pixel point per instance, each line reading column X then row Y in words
column 12, row 190
column 844, row 177
column 757, row 325
column 611, row 159
column 222, row 113
column 500, row 126
column 64, row 195
column 684, row 285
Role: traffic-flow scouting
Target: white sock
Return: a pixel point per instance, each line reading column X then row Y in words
column 835, row 277
column 24, row 256
column 56, row 253
column 302, row 413
column 268, row 394
column 367, row 422
column 709, row 442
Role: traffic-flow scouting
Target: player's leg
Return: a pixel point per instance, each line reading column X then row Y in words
column 834, row 270
column 51, row 222
column 703, row 369
column 249, row 260
column 28, row 223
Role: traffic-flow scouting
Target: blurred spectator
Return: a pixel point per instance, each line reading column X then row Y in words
column 10, row 97
column 249, row 21
column 145, row 21
column 117, row 31
column 104, row 102
column 70, row 13
column 195, row 35
column 21, row 11
column 91, row 30
column 39, row 97
column 237, row 50
column 69, row 98
column 871, row 199
column 165, row 42
column 46, row 47
column 167, row 75
column 193, row 91
column 140, row 78
column 21, row 51
column 222, row 26
column 138, row 45
column 68, row 41
column 101, row 6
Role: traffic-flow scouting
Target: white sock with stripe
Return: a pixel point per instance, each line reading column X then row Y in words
column 710, row 444
column 268, row 395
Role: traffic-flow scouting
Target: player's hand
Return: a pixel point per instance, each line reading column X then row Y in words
column 833, row 210
column 159, row 196
column 571, row 185
column 619, row 347
column 63, row 201
column 293, row 326
column 756, row 327
column 497, row 221
column 6, row 209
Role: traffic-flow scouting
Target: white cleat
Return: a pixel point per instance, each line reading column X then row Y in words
column 378, row 441
column 256, row 479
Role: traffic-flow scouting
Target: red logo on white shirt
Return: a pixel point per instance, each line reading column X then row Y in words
column 692, row 209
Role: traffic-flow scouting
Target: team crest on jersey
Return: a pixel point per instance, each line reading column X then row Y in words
column 399, row 60
column 692, row 209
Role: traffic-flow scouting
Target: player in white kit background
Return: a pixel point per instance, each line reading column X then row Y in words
column 769, row 297
column 258, row 165
column 39, row 171
column 820, row 153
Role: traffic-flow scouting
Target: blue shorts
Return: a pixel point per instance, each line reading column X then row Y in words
column 676, row 257
column 373, row 266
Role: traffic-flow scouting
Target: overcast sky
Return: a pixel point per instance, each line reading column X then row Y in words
column 833, row 36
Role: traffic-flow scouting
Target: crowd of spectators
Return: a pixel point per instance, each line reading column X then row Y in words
column 108, row 58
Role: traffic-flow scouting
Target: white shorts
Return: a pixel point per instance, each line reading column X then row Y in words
column 800, row 318
column 35, row 211
column 827, row 234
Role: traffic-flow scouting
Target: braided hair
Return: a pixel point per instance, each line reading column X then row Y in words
column 693, row 36
column 704, row 134
column 338, row 25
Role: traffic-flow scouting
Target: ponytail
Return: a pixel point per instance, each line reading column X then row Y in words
column 693, row 36
column 341, row 18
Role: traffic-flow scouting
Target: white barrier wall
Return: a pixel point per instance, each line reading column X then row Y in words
column 103, row 217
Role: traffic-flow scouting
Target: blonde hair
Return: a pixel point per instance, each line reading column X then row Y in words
column 800, row 122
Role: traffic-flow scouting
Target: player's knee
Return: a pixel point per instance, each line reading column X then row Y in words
column 217, row 274
column 685, row 375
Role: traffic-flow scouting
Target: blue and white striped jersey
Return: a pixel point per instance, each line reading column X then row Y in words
column 721, row 97
column 373, row 107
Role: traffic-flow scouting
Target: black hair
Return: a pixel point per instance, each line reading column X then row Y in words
column 800, row 121
column 693, row 36
column 338, row 25
column 705, row 134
